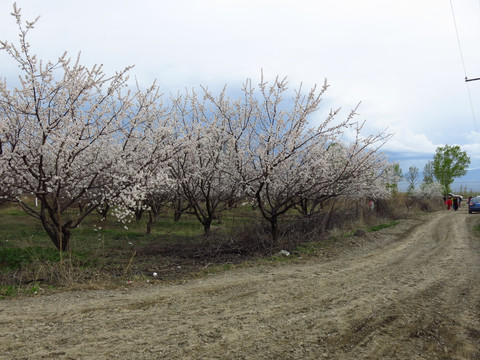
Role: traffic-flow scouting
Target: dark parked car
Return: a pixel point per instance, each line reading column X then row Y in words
column 474, row 204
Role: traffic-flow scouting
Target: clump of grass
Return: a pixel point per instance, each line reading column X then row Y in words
column 306, row 248
column 383, row 226
column 8, row 291
column 15, row 258
column 66, row 274
column 312, row 247
column 31, row 288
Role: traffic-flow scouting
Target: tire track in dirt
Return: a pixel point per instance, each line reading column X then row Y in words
column 431, row 268
column 410, row 292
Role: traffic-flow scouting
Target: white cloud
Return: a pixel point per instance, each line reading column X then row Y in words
column 410, row 143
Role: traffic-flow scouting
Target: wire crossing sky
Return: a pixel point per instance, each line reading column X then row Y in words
column 465, row 70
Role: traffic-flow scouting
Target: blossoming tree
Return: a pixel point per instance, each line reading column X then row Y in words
column 282, row 158
column 63, row 135
column 203, row 169
column 76, row 139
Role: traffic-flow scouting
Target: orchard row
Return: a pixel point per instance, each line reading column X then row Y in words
column 74, row 137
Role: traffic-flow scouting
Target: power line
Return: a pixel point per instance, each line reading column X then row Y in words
column 458, row 40
column 467, row 80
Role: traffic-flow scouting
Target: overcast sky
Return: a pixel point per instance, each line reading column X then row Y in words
column 400, row 58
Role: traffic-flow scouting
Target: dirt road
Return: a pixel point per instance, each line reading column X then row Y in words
column 408, row 292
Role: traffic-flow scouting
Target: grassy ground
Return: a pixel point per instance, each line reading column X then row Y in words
column 108, row 254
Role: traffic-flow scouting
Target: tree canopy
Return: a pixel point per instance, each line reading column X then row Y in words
column 449, row 162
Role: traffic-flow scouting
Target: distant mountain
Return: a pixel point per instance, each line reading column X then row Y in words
column 471, row 181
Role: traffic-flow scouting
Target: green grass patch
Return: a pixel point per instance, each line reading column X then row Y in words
column 307, row 248
column 14, row 258
column 476, row 230
column 102, row 249
column 105, row 252
column 8, row 291
column 383, row 226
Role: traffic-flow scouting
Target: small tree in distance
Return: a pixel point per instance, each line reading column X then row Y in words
column 395, row 175
column 411, row 177
column 428, row 173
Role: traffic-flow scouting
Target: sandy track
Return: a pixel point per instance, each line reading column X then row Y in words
column 409, row 292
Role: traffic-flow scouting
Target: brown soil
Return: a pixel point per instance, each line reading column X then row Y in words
column 407, row 292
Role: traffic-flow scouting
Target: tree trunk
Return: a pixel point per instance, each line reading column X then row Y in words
column 176, row 216
column 138, row 214
column 64, row 242
column 274, row 229
column 50, row 216
column 327, row 219
column 303, row 207
column 150, row 222
column 206, row 225
column 60, row 237
column 103, row 210
column 178, row 209
column 152, row 218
